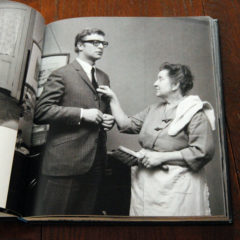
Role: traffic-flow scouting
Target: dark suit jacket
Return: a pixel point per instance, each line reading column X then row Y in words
column 71, row 145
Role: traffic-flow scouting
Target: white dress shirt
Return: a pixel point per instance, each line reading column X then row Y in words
column 87, row 68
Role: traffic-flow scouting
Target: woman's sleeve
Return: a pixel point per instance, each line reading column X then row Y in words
column 136, row 122
column 201, row 143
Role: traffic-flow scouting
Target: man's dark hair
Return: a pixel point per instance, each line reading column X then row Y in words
column 85, row 33
column 179, row 74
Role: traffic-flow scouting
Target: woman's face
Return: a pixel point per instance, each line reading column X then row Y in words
column 163, row 84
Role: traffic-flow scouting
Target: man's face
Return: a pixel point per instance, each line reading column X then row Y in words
column 89, row 50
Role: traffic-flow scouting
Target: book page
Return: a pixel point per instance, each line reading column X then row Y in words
column 137, row 47
column 10, row 25
column 21, row 41
column 8, row 138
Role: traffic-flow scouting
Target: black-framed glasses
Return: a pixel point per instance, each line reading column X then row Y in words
column 96, row 43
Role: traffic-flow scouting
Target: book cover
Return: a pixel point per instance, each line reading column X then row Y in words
column 137, row 47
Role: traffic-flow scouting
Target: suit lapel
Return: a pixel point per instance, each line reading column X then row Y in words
column 100, row 78
column 83, row 75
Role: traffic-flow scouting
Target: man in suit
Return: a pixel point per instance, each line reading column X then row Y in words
column 73, row 159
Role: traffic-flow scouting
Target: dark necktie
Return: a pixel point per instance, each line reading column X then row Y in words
column 94, row 82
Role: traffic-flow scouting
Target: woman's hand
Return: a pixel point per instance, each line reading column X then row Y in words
column 121, row 118
column 152, row 159
column 107, row 91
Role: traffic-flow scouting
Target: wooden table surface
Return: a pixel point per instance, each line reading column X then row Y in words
column 228, row 14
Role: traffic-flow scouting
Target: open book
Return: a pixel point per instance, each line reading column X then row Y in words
column 30, row 51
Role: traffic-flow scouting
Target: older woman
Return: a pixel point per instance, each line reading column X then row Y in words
column 177, row 141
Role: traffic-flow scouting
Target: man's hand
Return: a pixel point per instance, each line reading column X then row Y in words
column 108, row 121
column 92, row 115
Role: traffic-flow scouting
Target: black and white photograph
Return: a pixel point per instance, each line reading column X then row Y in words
column 162, row 109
